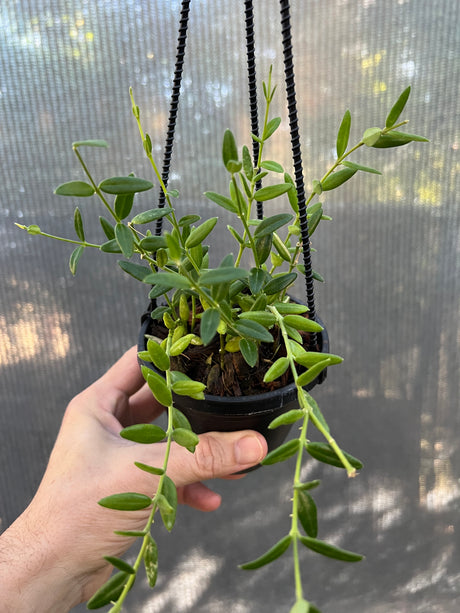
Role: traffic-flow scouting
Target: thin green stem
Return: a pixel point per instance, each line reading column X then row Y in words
column 60, row 238
column 148, row 152
column 351, row 471
column 244, row 221
column 140, row 556
column 95, row 187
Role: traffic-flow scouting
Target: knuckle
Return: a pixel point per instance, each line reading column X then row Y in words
column 209, row 457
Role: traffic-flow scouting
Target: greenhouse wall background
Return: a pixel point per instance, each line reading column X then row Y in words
column 389, row 257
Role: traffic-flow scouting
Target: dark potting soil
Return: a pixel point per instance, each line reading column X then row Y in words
column 237, row 378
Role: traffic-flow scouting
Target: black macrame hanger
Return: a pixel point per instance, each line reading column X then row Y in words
column 174, row 104
column 286, row 33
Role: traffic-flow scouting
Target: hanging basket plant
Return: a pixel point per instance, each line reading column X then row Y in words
column 225, row 347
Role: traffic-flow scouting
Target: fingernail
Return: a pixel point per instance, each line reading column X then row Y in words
column 249, row 450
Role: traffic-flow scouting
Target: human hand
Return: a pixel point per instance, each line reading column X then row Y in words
column 53, row 553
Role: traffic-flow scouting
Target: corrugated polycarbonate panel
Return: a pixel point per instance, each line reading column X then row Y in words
column 390, row 258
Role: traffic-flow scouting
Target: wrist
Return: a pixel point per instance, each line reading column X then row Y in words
column 33, row 578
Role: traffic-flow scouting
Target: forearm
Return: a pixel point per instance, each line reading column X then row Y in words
column 32, row 578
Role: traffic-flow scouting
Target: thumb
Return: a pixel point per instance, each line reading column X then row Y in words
column 218, row 454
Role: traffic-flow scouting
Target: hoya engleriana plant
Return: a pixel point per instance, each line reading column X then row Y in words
column 243, row 308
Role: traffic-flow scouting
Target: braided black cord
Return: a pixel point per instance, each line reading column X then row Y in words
column 175, row 95
column 252, row 82
column 296, row 153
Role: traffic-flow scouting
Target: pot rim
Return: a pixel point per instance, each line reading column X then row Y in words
column 212, row 403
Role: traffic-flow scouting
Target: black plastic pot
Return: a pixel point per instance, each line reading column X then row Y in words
column 227, row 414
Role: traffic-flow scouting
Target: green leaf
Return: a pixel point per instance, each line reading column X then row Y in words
column 290, row 417
column 151, row 561
column 257, row 278
column 323, row 452
column 74, row 259
column 302, row 323
column 309, row 358
column 317, row 187
column 229, row 148
column 153, row 470
column 371, row 136
column 270, row 192
column 235, row 235
column 308, row 514
column 271, row 224
column 272, row 166
column 292, row 333
column 263, row 247
column 128, row 501
column 224, row 274
column 109, row 592
column 151, row 215
column 158, row 355
column 271, row 127
column 315, row 274
column 316, row 411
column 282, row 453
column 78, row 189
column 247, row 164
column 330, row 551
column 174, row 248
column 189, row 388
column 233, row 166
column 168, row 279
column 277, row 369
column 158, row 387
column 110, row 247
column 259, row 176
column 355, row 166
column 337, row 178
column 397, row 108
column 197, row 235
column 130, row 533
column 254, row 330
column 107, row 227
column 181, row 344
column 280, row 282
column 143, row 433
column 137, row 271
column 290, row 307
column 209, row 324
column 272, row 554
column 185, row 438
column 397, row 139
column 78, row 224
column 249, row 351
column 120, row 565
column 223, row 201
column 264, row 318
column 281, row 248
column 187, row 220
column 343, row 134
column 123, row 205
column 90, row 143
column 168, row 515
column 147, row 144
column 314, row 217
column 125, row 239
column 310, row 375
column 292, row 193
column 153, row 243
column 125, row 185
column 307, row 486
column 179, row 419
